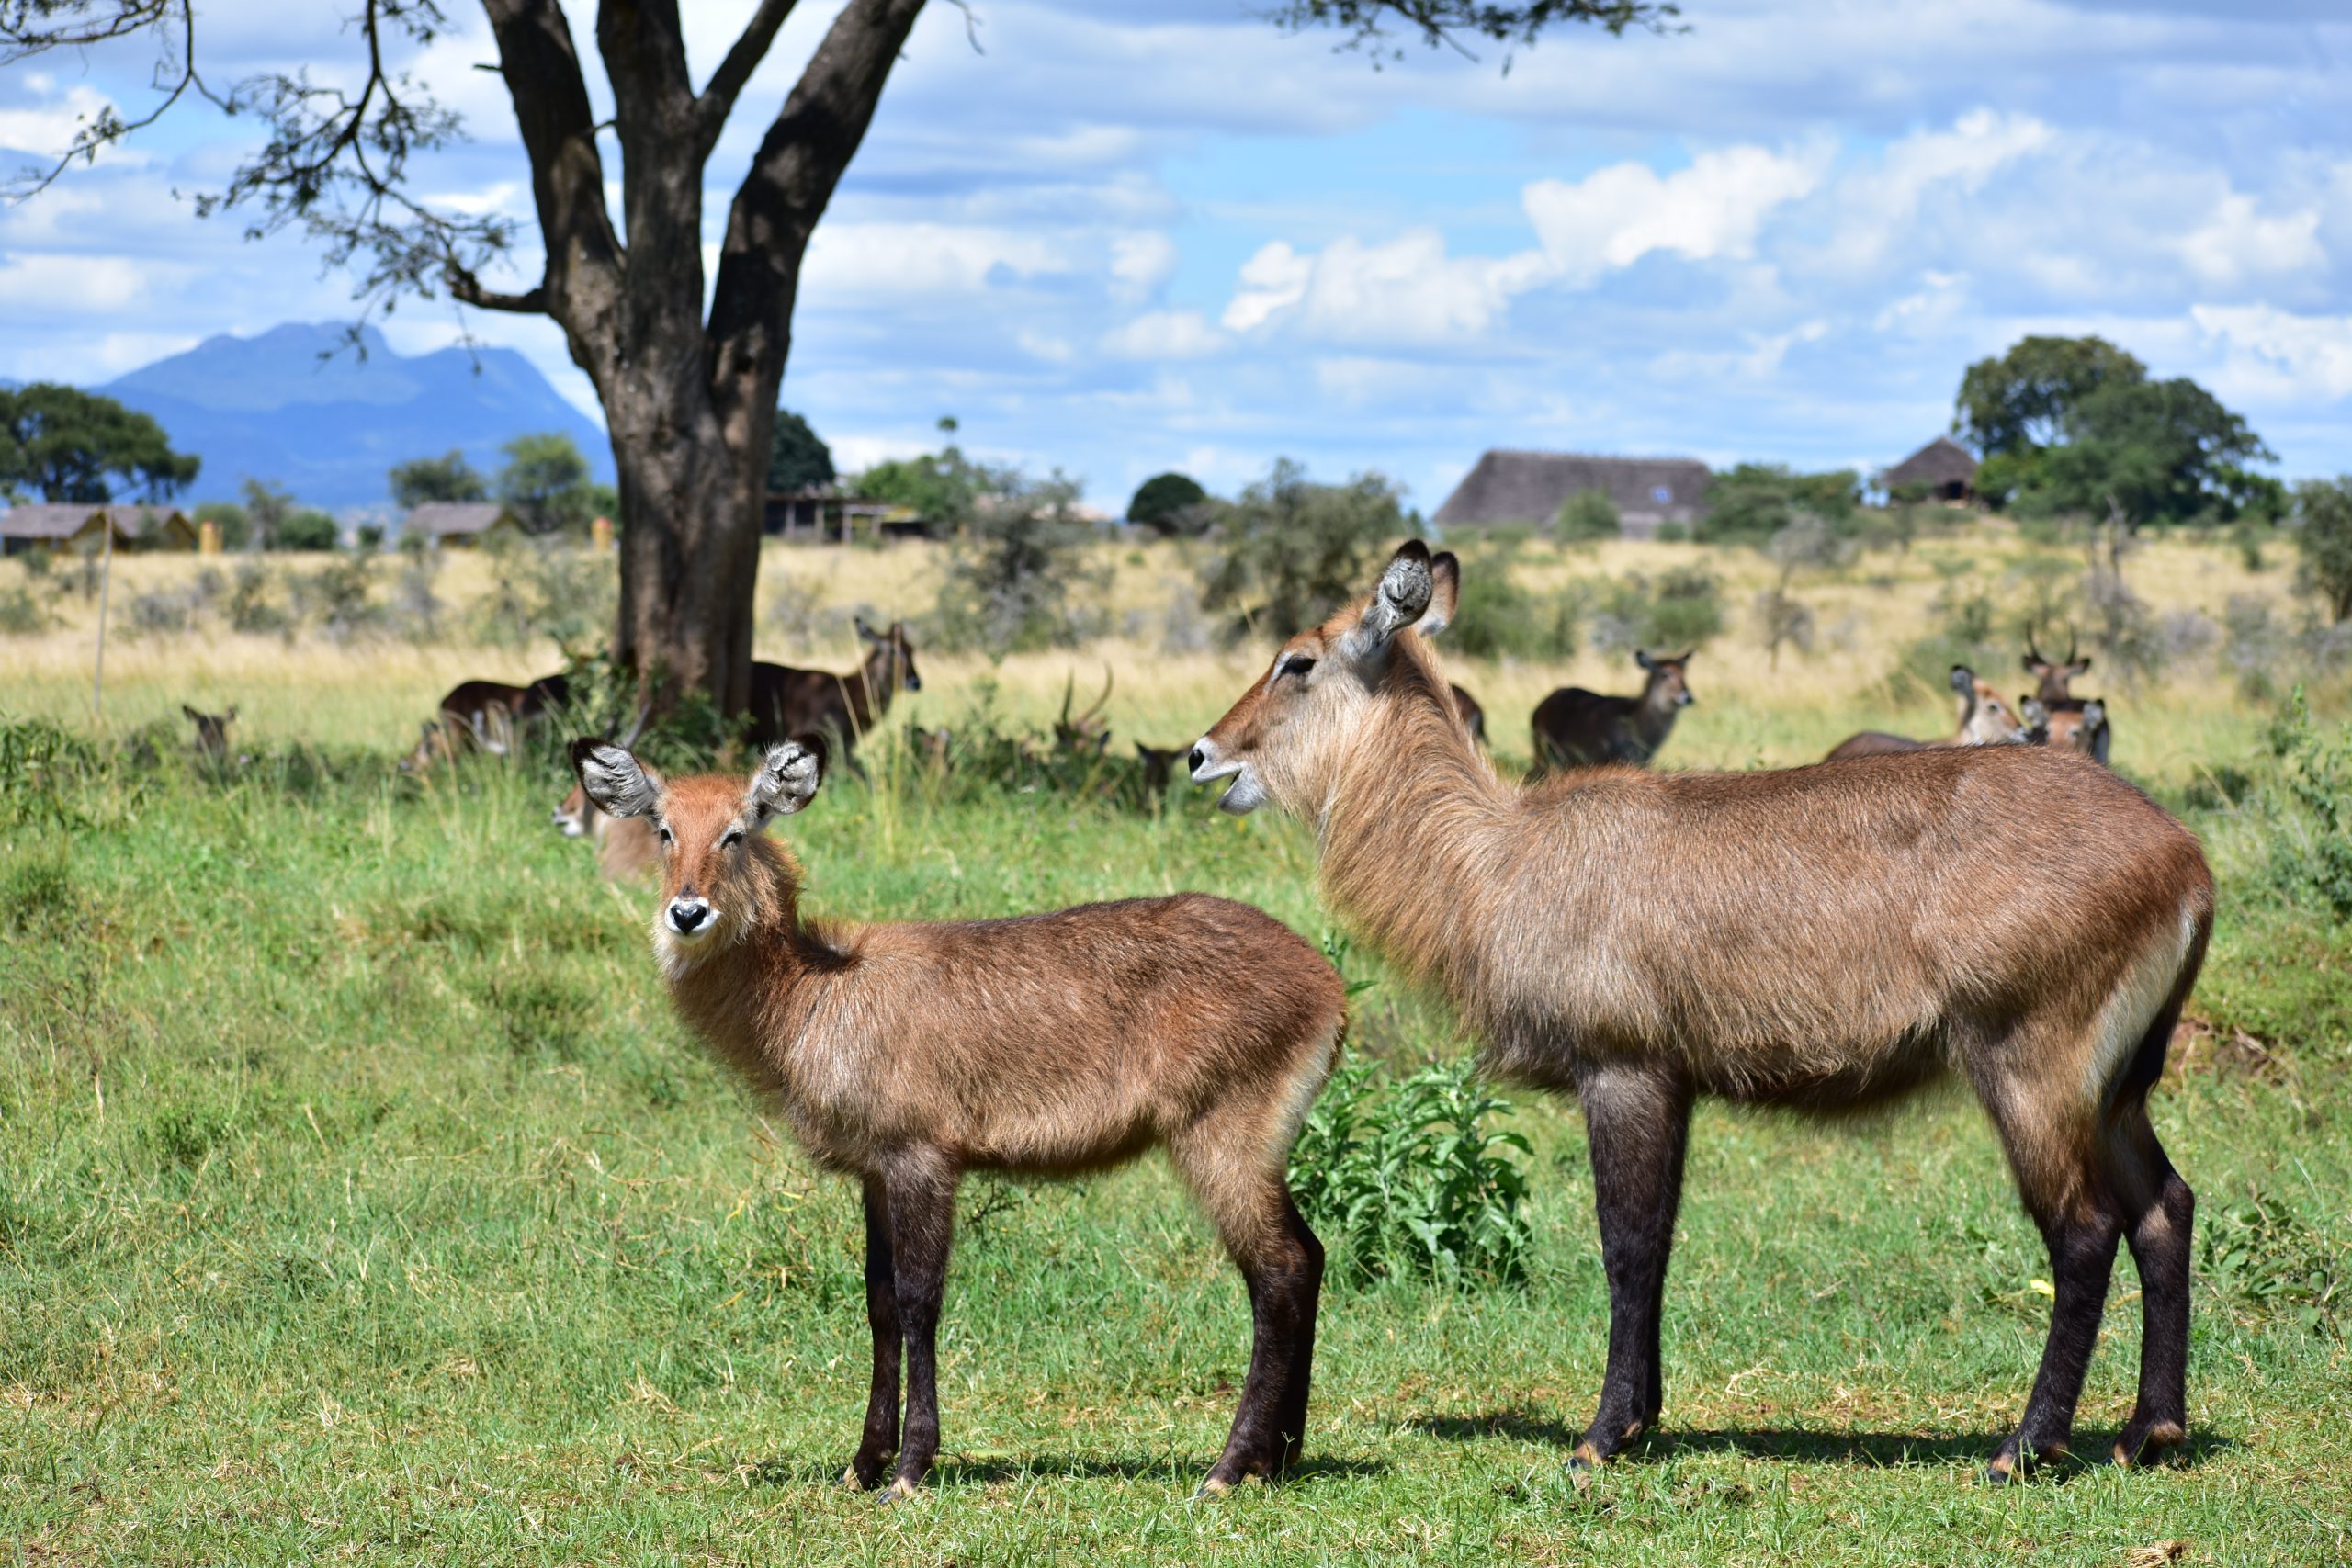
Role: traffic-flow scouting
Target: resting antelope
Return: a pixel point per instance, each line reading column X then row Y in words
column 908, row 1053
column 486, row 715
column 788, row 702
column 1821, row 938
column 1158, row 766
column 2070, row 721
column 1577, row 729
column 625, row 846
column 1090, row 732
column 211, row 732
column 1985, row 720
column 1474, row 718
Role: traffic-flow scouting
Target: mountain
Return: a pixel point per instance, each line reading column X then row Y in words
column 294, row 405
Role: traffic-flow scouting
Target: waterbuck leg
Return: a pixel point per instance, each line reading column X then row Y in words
column 1290, row 1413
column 881, row 1437
column 2159, row 1211
column 922, row 1199
column 1638, row 1125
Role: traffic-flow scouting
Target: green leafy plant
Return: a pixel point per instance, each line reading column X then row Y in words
column 2265, row 1256
column 2310, row 808
column 1409, row 1177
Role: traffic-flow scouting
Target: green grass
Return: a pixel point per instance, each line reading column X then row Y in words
column 360, row 1199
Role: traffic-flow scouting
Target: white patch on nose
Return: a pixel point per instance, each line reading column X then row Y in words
column 688, row 919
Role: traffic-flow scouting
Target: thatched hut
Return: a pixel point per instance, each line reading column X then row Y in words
column 1941, row 470
column 1530, row 487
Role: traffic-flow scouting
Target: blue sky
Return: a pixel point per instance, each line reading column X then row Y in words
column 1129, row 236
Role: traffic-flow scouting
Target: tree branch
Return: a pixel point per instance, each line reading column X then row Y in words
column 25, row 33
column 466, row 290
column 743, row 57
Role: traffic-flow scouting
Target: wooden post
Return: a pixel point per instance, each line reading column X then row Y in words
column 106, row 581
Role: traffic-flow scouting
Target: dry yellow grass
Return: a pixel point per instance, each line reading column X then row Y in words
column 373, row 692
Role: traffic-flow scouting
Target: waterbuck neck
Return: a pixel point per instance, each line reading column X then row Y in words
column 869, row 691
column 746, row 995
column 1654, row 714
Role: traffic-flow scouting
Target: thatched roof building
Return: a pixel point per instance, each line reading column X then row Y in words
column 72, row 524
column 1530, row 487
column 1943, row 467
column 461, row 522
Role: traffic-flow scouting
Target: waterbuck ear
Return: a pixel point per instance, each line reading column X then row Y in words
column 1403, row 595
column 1964, row 680
column 868, row 633
column 613, row 779
column 1445, row 581
column 788, row 778
column 193, row 716
column 230, row 717
column 2094, row 714
column 2082, row 665
column 2033, row 666
column 1641, row 656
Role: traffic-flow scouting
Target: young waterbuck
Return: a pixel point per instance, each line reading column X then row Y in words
column 1577, row 729
column 2070, row 720
column 1985, row 720
column 1821, row 938
column 211, row 732
column 788, row 702
column 906, row 1055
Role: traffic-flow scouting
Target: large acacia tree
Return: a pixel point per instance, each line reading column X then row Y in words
column 687, row 366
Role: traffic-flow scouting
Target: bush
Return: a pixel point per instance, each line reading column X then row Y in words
column 2255, row 643
column 307, row 529
column 1010, row 582
column 20, row 612
column 2323, row 536
column 1753, row 502
column 1297, row 550
column 1681, row 608
column 250, row 609
column 1170, row 504
column 1498, row 615
column 2310, row 805
column 336, row 595
column 1409, row 1177
column 236, row 527
column 1589, row 514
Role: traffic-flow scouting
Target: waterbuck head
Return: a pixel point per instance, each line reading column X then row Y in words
column 889, row 658
column 1669, row 685
column 1985, row 718
column 2055, row 676
column 1291, row 730
column 721, row 879
column 211, row 730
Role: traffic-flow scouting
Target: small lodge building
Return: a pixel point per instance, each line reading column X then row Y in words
column 462, row 523
column 80, row 525
column 1943, row 470
column 1529, row 488
column 818, row 513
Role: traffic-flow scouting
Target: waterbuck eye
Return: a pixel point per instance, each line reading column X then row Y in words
column 734, row 836
column 1297, row 664
column 663, row 829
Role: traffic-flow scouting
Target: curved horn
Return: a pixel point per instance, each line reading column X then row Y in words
column 1088, row 717
column 2071, row 647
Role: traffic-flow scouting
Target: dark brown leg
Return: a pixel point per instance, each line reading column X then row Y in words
column 2082, row 1256
column 2160, row 1211
column 1283, row 1269
column 1290, row 1412
column 1638, row 1127
column 922, row 1195
column 881, row 1437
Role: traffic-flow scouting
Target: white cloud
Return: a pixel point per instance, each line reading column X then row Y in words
column 871, row 261
column 1165, row 334
column 1880, row 207
column 2275, row 355
column 82, row 285
column 1142, row 261
column 1271, row 281
column 1614, row 217
column 2237, row 241
column 1408, row 289
column 48, row 130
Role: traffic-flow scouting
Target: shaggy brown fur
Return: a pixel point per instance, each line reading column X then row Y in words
column 485, row 716
column 1824, row 938
column 1985, row 720
column 788, row 702
column 907, row 1053
column 1577, row 729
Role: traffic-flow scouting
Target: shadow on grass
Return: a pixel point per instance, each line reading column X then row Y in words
column 951, row 1473
column 1874, row 1450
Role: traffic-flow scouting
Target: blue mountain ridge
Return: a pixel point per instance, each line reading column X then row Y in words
column 329, row 429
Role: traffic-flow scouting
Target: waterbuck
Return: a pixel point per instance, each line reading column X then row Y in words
column 485, row 716
column 1474, row 718
column 1089, row 733
column 2070, row 723
column 1577, row 729
column 788, row 702
column 1821, row 938
column 1985, row 720
column 211, row 732
column 908, row 1053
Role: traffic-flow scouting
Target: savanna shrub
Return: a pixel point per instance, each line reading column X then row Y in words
column 1295, row 550
column 1409, row 1177
column 20, row 612
column 2311, row 810
column 1020, row 578
column 1588, row 515
column 1682, row 608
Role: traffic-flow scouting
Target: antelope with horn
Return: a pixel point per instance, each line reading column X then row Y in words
column 788, row 702
column 2071, row 722
column 1985, row 720
column 211, row 732
column 1577, row 729
column 1820, row 938
column 1090, row 732
column 907, row 1053
column 625, row 846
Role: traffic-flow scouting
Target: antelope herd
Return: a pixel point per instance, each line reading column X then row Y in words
column 1821, row 938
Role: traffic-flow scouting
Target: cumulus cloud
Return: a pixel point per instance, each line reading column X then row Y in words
column 1616, row 216
column 2277, row 355
column 1165, row 334
column 2237, row 241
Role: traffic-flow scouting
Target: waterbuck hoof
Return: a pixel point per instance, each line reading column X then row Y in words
column 1586, row 1458
column 899, row 1491
column 2004, row 1471
column 2142, row 1446
column 1215, row 1486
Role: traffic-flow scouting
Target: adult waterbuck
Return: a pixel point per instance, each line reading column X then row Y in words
column 1821, row 938
column 211, row 732
column 1577, row 729
column 906, row 1055
column 788, row 702
column 485, row 716
column 1985, row 720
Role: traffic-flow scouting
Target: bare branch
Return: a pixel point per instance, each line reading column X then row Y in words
column 29, row 27
column 743, row 57
column 466, row 290
column 1369, row 24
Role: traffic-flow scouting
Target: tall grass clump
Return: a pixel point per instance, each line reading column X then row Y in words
column 2309, row 803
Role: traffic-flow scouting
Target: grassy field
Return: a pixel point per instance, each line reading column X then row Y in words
column 359, row 1200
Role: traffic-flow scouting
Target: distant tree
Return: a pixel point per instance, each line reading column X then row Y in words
column 1751, row 502
column 2147, row 451
column 546, row 481
column 2020, row 402
column 267, row 505
column 1805, row 541
column 1012, row 579
column 307, row 528
column 445, row 478
column 1589, row 514
column 1297, row 550
column 2323, row 535
column 944, row 487
column 64, row 444
column 797, row 458
column 236, row 527
column 1169, row 505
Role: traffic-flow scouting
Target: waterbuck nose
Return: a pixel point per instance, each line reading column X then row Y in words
column 1198, row 760
column 685, row 917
